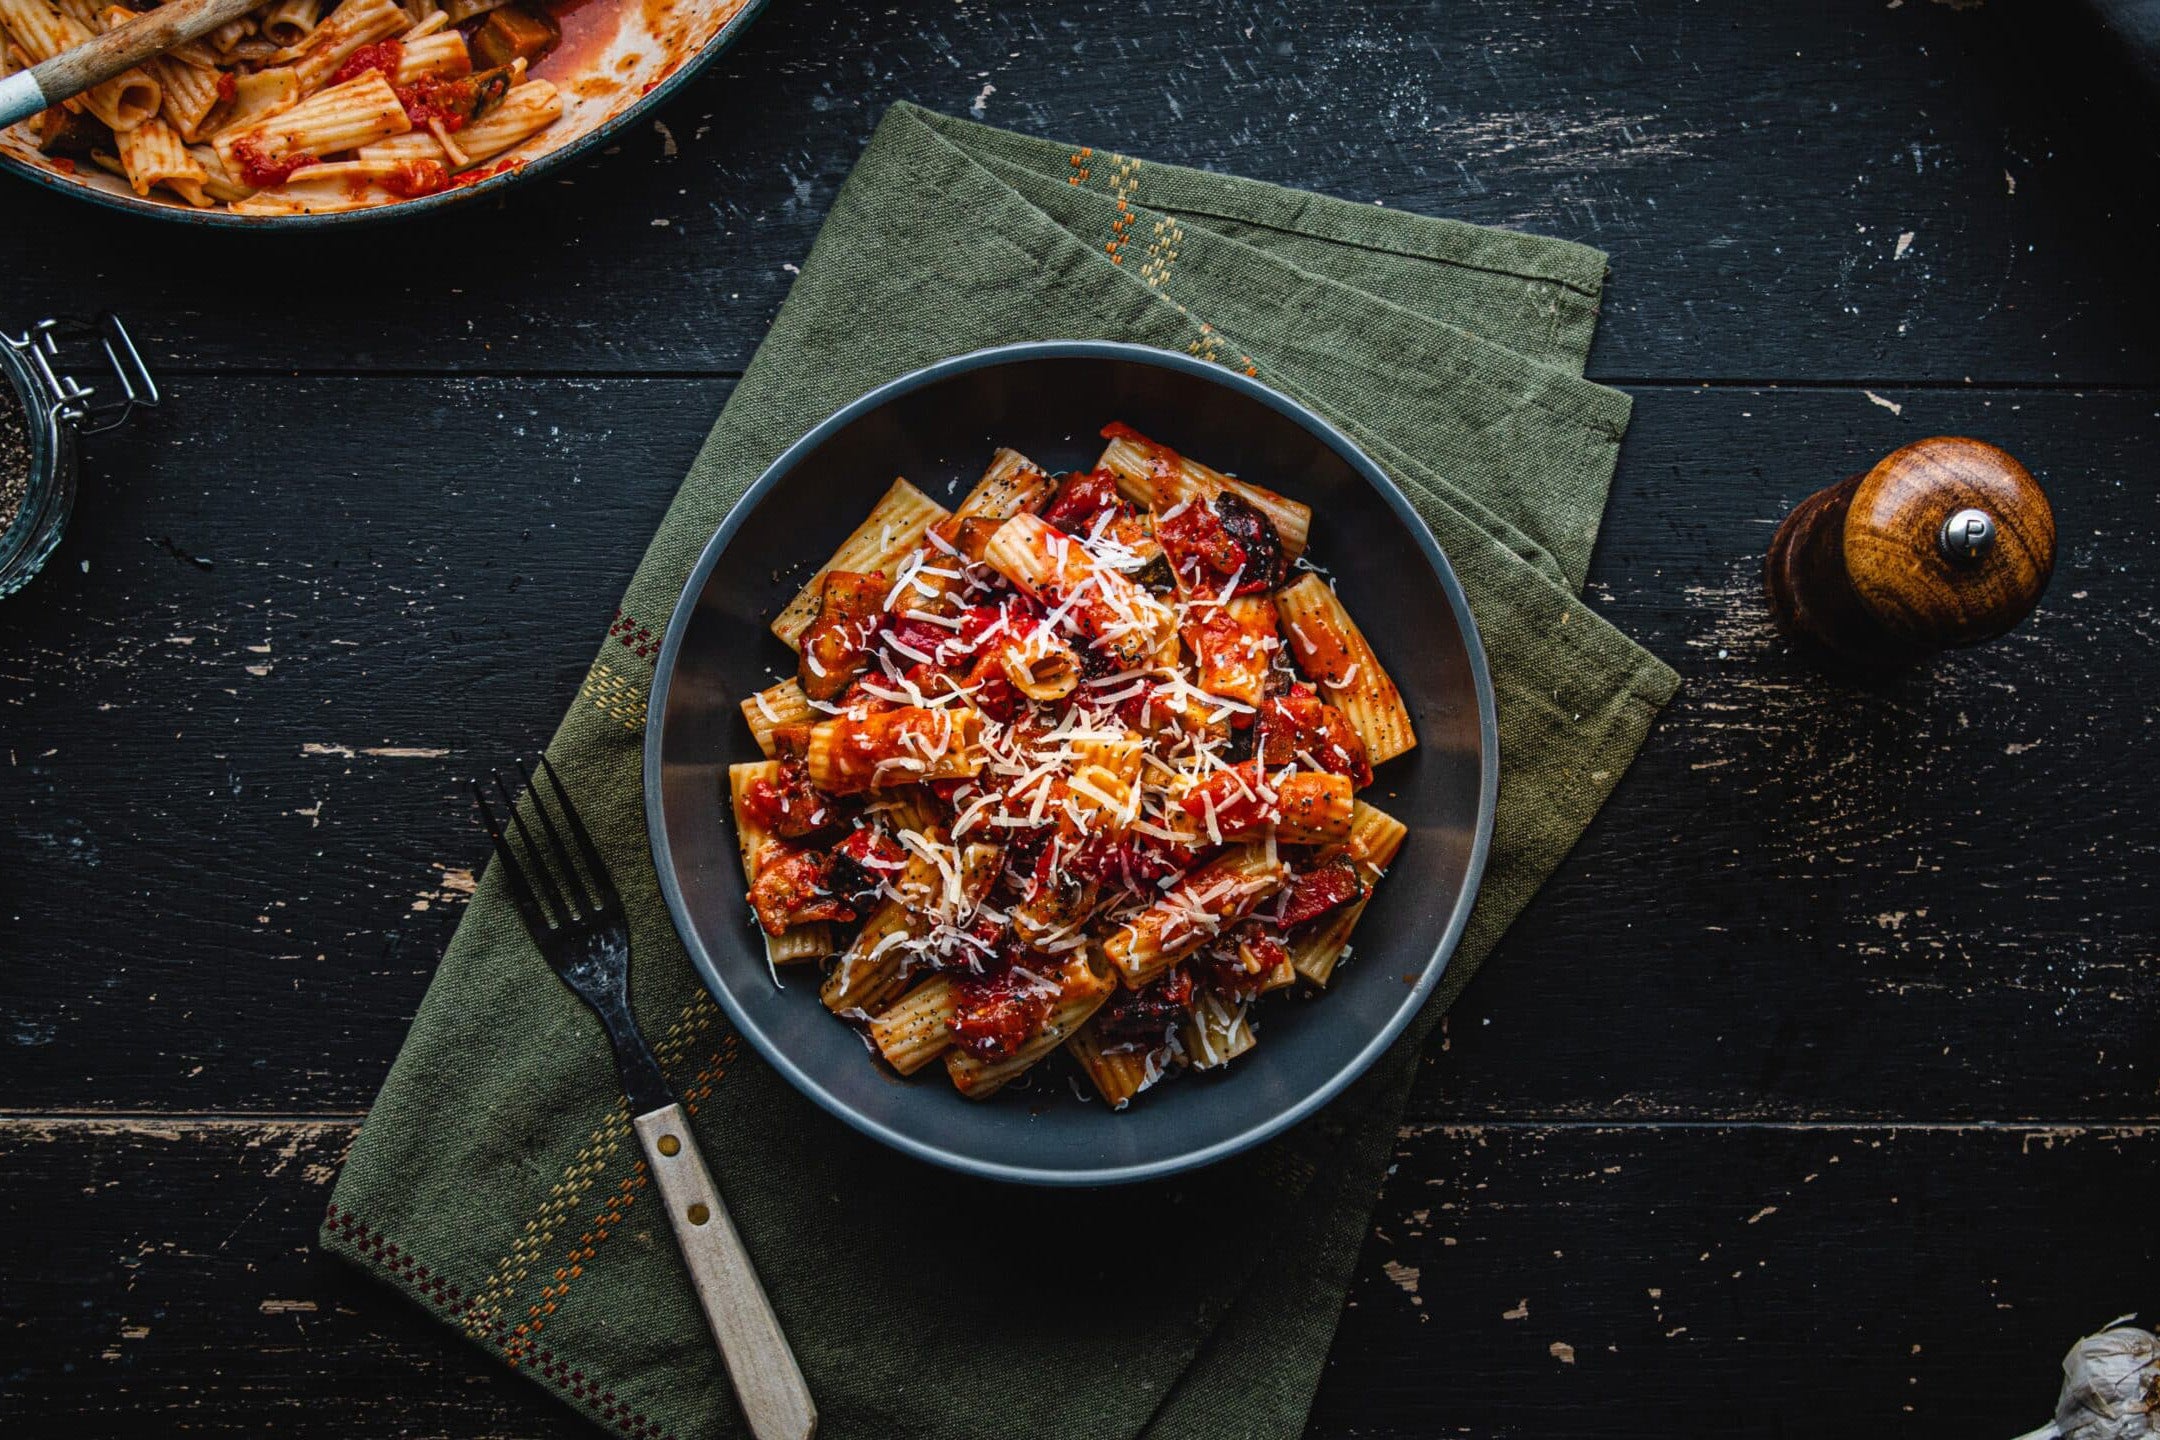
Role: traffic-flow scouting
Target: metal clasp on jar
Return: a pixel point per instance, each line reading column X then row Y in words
column 55, row 348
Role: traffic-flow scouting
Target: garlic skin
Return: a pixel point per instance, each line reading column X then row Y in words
column 2111, row 1389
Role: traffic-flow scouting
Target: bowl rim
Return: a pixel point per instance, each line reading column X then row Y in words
column 945, row 1156
column 533, row 169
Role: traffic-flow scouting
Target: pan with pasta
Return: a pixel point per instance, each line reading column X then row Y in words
column 307, row 110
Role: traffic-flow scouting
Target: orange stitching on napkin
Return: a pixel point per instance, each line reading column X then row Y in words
column 451, row 1301
column 611, row 1214
column 1079, row 165
column 1124, row 179
column 584, row 1169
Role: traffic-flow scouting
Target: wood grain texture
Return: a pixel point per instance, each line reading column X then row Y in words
column 1810, row 899
column 1704, row 1280
column 1818, row 1088
column 1532, row 1281
column 776, row 1404
column 1847, row 190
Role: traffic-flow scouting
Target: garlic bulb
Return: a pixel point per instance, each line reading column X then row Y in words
column 2111, row 1389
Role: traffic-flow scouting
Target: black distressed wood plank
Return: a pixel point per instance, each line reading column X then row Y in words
column 1931, row 900
column 239, row 704
column 1847, row 190
column 1931, row 897
column 1707, row 1280
column 1752, row 1281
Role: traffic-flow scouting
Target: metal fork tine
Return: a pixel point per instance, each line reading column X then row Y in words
column 572, row 881
column 586, row 847
column 520, row 892
column 545, row 882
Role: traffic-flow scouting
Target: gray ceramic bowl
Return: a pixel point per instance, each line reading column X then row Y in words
column 938, row 426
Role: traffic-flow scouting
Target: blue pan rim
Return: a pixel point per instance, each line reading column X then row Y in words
column 957, row 1160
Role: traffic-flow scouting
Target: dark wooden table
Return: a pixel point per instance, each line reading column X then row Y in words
column 1819, row 1090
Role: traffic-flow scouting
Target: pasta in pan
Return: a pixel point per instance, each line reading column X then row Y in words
column 1074, row 766
column 300, row 107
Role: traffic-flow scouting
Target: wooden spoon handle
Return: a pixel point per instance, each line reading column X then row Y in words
column 775, row 1400
column 71, row 72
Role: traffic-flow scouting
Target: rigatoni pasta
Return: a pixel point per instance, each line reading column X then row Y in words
column 1078, row 761
column 1328, row 646
column 301, row 109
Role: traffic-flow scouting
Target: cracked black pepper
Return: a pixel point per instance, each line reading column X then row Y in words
column 14, row 463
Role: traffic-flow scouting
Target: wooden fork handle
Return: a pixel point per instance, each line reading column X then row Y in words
column 775, row 1401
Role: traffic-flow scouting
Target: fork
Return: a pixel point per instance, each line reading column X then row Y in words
column 584, row 935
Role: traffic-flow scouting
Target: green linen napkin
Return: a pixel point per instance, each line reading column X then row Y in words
column 496, row 1180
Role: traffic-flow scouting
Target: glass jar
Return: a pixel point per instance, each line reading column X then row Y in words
column 40, row 370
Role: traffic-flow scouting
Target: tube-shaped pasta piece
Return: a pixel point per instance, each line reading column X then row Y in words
column 1117, row 1074
column 1125, row 623
column 1330, row 648
column 867, row 975
column 776, row 705
column 191, row 94
column 1124, row 756
column 1246, row 801
column 257, row 97
column 460, row 11
column 1217, row 1031
column 916, row 1028
column 1232, row 643
column 353, row 24
column 1313, row 808
column 804, row 942
column 528, row 109
column 331, row 188
column 1199, row 907
column 188, row 94
column 288, row 22
column 443, row 53
column 1158, row 477
column 227, row 37
column 154, row 154
column 1375, row 838
column 221, row 186
column 1040, row 664
column 1052, row 917
column 344, row 117
column 890, row 533
column 42, row 30
column 1013, row 483
column 1106, row 797
column 1084, row 983
column 909, row 807
column 411, row 147
column 1105, row 781
column 903, row 746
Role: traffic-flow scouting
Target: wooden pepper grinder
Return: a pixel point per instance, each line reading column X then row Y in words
column 1948, row 541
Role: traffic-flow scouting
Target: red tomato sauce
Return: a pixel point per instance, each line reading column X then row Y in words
column 383, row 55
column 263, row 172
